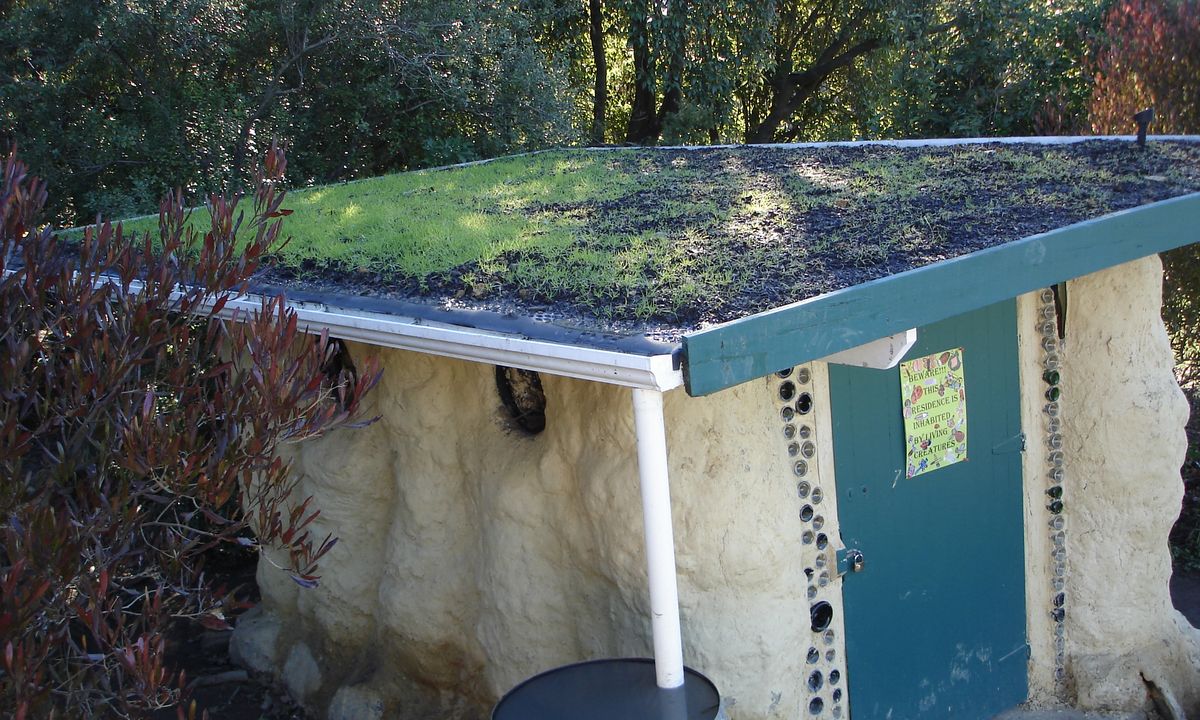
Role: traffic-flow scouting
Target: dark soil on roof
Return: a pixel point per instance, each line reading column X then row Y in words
column 834, row 217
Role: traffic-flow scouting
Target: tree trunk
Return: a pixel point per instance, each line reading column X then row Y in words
column 643, row 126
column 242, row 148
column 299, row 47
column 676, row 39
column 785, row 100
column 600, row 98
column 790, row 91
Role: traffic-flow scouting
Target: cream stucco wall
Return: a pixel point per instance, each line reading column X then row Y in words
column 473, row 556
column 1123, row 420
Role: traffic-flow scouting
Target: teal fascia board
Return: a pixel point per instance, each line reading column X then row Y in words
column 732, row 353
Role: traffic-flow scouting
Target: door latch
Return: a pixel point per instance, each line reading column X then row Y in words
column 850, row 560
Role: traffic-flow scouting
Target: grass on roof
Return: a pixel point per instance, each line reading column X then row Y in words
column 703, row 234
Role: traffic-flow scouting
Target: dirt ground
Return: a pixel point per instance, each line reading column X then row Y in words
column 224, row 690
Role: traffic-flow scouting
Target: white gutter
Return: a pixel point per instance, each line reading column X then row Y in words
column 660, row 542
column 650, row 372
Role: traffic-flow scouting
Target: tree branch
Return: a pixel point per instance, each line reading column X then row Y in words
column 791, row 90
column 818, row 73
column 270, row 94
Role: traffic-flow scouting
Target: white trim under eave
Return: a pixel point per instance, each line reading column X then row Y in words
column 648, row 372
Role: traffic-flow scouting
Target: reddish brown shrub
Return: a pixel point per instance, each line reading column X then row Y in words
column 138, row 430
column 1149, row 55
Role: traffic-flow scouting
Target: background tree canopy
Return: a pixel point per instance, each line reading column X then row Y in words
column 116, row 102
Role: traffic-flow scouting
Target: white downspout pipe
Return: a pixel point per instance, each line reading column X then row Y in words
column 660, row 541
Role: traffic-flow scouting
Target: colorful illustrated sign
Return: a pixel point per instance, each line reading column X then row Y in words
column 935, row 411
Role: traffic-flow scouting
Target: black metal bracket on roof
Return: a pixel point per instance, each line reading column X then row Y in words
column 1143, row 120
column 677, row 358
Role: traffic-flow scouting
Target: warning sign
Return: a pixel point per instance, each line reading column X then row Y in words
column 935, row 411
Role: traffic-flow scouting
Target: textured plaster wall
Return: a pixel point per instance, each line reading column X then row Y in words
column 1124, row 441
column 472, row 556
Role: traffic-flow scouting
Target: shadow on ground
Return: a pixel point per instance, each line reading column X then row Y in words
column 1185, row 536
column 1185, row 593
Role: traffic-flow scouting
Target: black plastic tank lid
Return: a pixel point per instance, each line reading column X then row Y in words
column 605, row 689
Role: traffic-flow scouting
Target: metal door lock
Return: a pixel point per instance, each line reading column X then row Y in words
column 850, row 560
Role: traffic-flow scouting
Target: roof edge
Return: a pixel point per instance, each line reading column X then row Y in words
column 913, row 142
column 740, row 350
column 651, row 372
column 658, row 371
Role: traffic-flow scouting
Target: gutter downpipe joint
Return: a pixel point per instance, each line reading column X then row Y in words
column 660, row 542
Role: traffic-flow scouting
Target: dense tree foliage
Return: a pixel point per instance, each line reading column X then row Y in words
column 117, row 102
column 1004, row 67
column 702, row 71
column 1148, row 55
column 114, row 103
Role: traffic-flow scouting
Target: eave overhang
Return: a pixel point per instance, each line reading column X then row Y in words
column 732, row 353
column 659, row 371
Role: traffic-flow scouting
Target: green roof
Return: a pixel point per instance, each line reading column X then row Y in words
column 670, row 240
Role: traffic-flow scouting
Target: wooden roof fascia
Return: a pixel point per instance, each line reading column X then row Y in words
column 735, row 352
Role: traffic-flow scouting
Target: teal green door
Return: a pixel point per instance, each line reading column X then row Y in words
column 935, row 619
